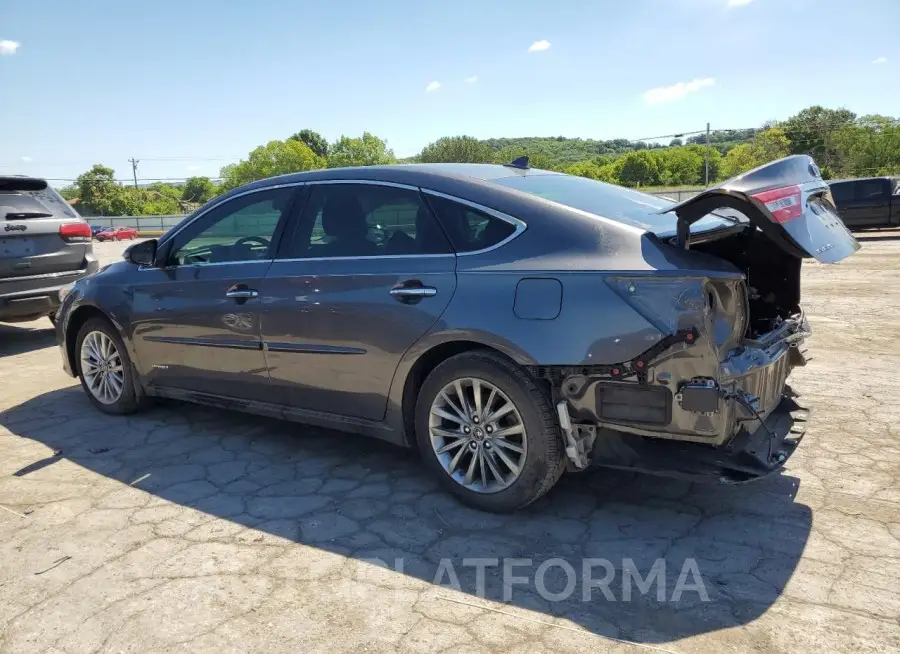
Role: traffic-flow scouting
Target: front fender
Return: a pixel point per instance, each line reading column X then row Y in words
column 85, row 300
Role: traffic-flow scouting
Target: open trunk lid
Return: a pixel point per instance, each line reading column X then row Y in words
column 787, row 200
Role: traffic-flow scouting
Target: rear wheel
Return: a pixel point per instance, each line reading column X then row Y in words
column 105, row 369
column 488, row 432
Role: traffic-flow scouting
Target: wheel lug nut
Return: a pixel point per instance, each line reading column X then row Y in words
column 489, row 429
column 466, row 430
column 473, row 445
column 475, row 419
column 487, row 445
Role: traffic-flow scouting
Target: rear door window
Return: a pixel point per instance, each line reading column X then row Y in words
column 366, row 220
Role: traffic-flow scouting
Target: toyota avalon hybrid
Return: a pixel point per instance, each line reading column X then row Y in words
column 510, row 323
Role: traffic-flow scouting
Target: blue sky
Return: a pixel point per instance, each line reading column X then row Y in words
column 188, row 86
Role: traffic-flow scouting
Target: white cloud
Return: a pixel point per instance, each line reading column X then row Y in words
column 471, row 80
column 432, row 86
column 538, row 46
column 880, row 60
column 8, row 47
column 677, row 91
column 27, row 159
column 739, row 3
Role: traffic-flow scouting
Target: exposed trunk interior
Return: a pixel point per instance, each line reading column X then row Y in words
column 773, row 276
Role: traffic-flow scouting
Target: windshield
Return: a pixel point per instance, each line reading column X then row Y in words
column 618, row 203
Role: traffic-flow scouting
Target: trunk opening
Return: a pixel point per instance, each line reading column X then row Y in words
column 773, row 277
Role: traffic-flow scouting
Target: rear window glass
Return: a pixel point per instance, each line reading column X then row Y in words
column 618, row 203
column 45, row 201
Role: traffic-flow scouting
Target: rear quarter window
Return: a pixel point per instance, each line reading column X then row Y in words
column 468, row 229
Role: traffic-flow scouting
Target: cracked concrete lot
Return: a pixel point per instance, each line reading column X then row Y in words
column 198, row 530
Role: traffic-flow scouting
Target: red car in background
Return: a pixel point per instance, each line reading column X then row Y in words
column 117, row 234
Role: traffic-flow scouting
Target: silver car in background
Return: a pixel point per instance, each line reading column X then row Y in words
column 44, row 245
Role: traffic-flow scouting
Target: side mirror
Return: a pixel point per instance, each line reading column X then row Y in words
column 141, row 254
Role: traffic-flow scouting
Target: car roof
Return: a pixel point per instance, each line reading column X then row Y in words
column 412, row 174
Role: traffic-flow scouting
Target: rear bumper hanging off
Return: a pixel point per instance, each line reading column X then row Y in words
column 758, row 449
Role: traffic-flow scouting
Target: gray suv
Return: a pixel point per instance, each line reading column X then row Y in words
column 44, row 245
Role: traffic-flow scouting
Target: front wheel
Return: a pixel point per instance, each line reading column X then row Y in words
column 488, row 432
column 105, row 369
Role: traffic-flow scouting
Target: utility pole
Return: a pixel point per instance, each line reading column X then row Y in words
column 707, row 154
column 134, row 162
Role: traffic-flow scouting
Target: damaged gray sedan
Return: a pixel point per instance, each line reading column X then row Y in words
column 508, row 322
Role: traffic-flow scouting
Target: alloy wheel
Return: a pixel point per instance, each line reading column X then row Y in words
column 101, row 367
column 478, row 435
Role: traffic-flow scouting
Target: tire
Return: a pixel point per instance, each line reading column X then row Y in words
column 541, row 458
column 131, row 398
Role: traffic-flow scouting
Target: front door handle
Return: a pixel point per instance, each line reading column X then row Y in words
column 241, row 293
column 413, row 291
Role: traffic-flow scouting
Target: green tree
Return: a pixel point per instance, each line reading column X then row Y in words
column 683, row 166
column 738, row 160
column 273, row 158
column 868, row 148
column 535, row 159
column 771, row 144
column 368, row 150
column 767, row 145
column 315, row 141
column 590, row 169
column 166, row 190
column 458, row 149
column 97, row 189
column 160, row 200
column 641, row 168
column 812, row 130
column 198, row 190
column 69, row 192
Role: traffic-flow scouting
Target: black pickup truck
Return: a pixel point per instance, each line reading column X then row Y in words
column 868, row 202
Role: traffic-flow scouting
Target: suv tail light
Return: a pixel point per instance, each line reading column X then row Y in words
column 783, row 203
column 75, row 232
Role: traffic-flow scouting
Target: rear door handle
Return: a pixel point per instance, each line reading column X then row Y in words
column 241, row 293
column 414, row 291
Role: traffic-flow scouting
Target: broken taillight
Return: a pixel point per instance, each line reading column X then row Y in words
column 783, row 203
column 75, row 232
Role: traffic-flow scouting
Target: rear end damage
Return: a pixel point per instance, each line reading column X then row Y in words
column 710, row 399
